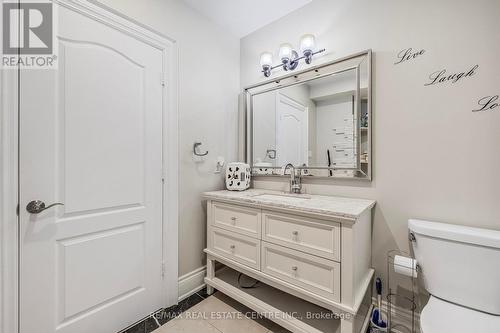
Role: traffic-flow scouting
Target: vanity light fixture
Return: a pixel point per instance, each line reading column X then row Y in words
column 266, row 61
column 289, row 57
column 307, row 44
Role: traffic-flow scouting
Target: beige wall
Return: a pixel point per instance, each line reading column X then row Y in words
column 208, row 102
column 433, row 158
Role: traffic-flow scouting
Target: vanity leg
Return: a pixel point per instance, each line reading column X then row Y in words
column 210, row 274
column 347, row 324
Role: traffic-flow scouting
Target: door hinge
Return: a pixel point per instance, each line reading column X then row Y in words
column 163, row 269
column 17, row 210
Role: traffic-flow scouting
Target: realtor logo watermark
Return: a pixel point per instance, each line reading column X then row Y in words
column 28, row 35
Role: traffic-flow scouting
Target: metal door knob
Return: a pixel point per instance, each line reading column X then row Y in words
column 38, row 206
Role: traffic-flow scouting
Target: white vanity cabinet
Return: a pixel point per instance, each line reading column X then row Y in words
column 317, row 249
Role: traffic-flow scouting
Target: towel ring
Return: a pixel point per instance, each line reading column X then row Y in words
column 195, row 146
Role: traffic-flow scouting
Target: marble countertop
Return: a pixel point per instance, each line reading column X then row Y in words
column 350, row 208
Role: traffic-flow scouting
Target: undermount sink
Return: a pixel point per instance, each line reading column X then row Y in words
column 283, row 197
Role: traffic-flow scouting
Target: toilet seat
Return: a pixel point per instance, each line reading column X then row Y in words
column 439, row 316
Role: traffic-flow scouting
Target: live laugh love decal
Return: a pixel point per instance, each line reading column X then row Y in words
column 443, row 76
column 487, row 103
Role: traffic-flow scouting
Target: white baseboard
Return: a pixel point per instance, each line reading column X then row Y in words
column 400, row 317
column 192, row 282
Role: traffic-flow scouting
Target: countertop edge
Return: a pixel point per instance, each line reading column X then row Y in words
column 308, row 211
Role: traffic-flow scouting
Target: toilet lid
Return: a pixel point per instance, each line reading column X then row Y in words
column 439, row 316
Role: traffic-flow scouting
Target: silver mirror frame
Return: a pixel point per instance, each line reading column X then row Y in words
column 351, row 62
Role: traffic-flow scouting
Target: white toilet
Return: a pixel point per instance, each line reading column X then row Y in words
column 461, row 270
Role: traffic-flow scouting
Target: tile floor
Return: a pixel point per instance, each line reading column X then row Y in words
column 203, row 313
column 148, row 325
column 219, row 314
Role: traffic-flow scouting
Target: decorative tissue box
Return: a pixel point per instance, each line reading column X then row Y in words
column 237, row 176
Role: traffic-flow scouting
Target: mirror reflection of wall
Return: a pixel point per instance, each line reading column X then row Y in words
column 310, row 124
column 335, row 133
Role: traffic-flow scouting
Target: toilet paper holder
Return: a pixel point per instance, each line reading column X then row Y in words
column 402, row 298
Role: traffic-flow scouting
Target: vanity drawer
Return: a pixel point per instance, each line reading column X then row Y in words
column 312, row 273
column 302, row 233
column 236, row 218
column 245, row 250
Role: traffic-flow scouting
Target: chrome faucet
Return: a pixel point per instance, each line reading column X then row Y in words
column 295, row 184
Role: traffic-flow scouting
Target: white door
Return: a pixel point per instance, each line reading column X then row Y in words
column 91, row 138
column 291, row 131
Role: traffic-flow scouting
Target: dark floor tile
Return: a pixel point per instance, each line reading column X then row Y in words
column 174, row 311
column 150, row 325
column 138, row 328
column 203, row 292
column 189, row 302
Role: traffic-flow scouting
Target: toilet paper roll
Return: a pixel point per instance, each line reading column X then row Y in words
column 405, row 266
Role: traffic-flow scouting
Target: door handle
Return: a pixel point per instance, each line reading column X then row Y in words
column 38, row 206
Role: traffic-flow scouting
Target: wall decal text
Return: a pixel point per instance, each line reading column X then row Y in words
column 408, row 54
column 443, row 76
column 487, row 103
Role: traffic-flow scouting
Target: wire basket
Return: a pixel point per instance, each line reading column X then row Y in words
column 404, row 314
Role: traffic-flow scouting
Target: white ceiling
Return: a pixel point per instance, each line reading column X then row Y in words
column 242, row 17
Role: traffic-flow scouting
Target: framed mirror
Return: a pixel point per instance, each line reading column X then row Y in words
column 318, row 119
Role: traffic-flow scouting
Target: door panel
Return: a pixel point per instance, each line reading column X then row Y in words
column 79, row 270
column 91, row 138
column 94, row 166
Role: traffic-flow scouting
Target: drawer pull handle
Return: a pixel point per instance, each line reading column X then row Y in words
column 232, row 247
column 294, row 268
column 233, row 219
column 295, row 233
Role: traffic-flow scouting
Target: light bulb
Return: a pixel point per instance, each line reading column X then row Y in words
column 307, row 44
column 266, row 59
column 285, row 52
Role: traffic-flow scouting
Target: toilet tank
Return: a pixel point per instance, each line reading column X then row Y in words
column 459, row 264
